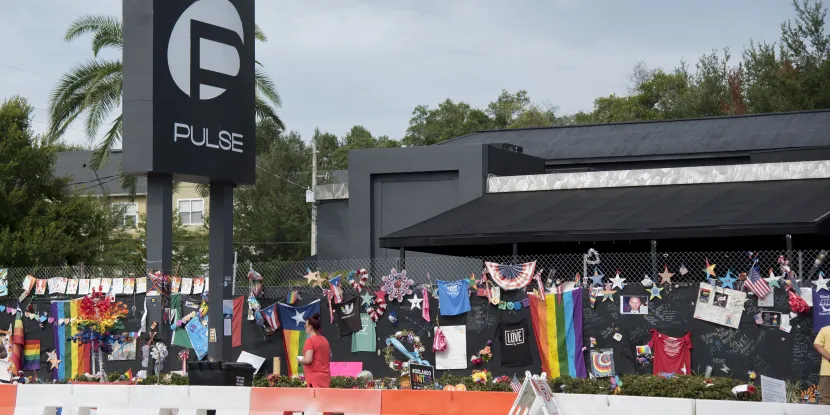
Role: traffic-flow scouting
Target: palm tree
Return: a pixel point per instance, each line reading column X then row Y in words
column 93, row 89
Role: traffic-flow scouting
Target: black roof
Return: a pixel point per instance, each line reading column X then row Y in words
column 626, row 213
column 75, row 166
column 698, row 136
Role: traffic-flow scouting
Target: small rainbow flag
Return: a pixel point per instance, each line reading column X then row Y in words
column 292, row 297
column 31, row 355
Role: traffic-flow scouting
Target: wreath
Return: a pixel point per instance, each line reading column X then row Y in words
column 394, row 342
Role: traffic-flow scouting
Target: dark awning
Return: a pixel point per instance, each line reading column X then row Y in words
column 626, row 213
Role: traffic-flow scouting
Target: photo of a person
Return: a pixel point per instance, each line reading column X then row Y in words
column 634, row 304
column 720, row 300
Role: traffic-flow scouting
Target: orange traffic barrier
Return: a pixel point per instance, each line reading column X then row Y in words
column 348, row 401
column 275, row 400
column 8, row 399
column 403, row 402
column 480, row 403
column 407, row 402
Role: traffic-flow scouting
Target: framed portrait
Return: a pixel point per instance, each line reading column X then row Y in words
column 634, row 304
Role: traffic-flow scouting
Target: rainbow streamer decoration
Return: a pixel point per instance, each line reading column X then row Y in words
column 31, row 355
column 74, row 357
column 17, row 332
column 557, row 327
column 16, row 351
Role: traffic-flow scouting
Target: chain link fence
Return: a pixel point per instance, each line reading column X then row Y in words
column 687, row 267
column 281, row 277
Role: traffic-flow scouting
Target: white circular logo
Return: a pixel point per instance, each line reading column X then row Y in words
column 213, row 56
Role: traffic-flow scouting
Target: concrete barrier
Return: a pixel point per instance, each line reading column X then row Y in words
column 196, row 400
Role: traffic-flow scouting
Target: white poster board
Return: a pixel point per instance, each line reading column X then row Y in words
column 535, row 397
column 773, row 390
column 253, row 359
column 455, row 357
column 720, row 305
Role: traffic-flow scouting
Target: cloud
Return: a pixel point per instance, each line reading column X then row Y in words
column 338, row 63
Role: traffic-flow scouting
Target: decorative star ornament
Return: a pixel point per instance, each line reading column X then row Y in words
column 772, row 280
column 52, row 358
column 710, row 269
column 397, row 285
column 380, row 294
column 821, row 282
column 647, row 282
column 367, row 299
column 728, row 280
column 665, row 276
column 314, row 279
column 596, row 279
column 655, row 292
column 298, row 317
column 415, row 302
column 608, row 295
column 617, row 281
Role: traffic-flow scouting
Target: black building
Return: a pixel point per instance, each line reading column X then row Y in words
column 741, row 182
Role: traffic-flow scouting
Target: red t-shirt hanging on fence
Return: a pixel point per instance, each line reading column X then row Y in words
column 672, row 355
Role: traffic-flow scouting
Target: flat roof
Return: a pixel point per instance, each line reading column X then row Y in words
column 626, row 213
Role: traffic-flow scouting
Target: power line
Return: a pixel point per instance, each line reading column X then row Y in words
column 28, row 71
column 282, row 178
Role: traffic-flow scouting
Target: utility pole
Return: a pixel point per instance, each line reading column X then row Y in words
column 313, row 202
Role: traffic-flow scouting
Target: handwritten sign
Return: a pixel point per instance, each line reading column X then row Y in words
column 421, row 376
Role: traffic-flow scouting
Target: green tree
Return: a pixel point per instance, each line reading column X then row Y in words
column 41, row 221
column 93, row 89
column 125, row 248
column 273, row 212
column 333, row 152
column 449, row 120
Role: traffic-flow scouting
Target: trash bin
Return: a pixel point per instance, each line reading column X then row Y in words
column 205, row 374
column 220, row 374
column 238, row 374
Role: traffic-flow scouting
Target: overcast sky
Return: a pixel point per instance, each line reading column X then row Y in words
column 338, row 63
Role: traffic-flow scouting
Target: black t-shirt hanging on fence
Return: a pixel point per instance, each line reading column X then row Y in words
column 349, row 315
column 515, row 349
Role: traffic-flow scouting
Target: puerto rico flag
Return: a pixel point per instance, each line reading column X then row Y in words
column 270, row 316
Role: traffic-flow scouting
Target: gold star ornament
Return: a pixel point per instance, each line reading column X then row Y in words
column 665, row 276
column 314, row 279
column 52, row 358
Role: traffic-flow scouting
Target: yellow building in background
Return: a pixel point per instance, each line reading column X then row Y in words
column 190, row 206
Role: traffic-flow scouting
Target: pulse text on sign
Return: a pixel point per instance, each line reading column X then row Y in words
column 224, row 140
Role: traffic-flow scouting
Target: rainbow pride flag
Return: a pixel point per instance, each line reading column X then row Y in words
column 292, row 320
column 74, row 357
column 31, row 355
column 294, row 340
column 557, row 326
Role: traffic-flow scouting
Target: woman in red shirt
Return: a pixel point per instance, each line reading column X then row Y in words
column 316, row 352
